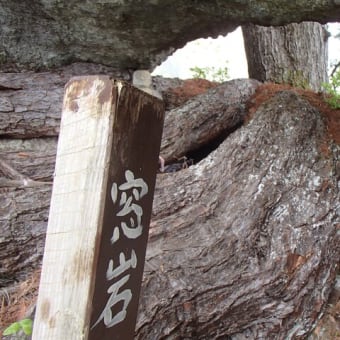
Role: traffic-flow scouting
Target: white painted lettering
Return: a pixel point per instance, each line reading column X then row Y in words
column 123, row 265
column 139, row 189
column 126, row 295
column 127, row 196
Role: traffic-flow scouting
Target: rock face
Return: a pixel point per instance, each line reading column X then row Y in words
column 41, row 34
column 244, row 244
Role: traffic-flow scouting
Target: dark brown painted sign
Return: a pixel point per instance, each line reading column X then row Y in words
column 133, row 166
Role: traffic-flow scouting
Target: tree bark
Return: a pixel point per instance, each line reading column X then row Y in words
column 30, row 109
column 34, row 111
column 31, row 158
column 27, row 165
column 30, row 103
column 24, row 210
column 245, row 244
column 205, row 118
column 295, row 54
column 242, row 244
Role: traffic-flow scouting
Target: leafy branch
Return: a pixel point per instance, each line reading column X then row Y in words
column 333, row 90
column 219, row 75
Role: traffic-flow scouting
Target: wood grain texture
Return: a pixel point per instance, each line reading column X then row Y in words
column 33, row 158
column 245, row 244
column 75, row 217
column 206, row 117
column 105, row 125
column 295, row 54
column 31, row 103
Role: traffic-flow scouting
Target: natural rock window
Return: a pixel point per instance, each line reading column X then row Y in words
column 223, row 51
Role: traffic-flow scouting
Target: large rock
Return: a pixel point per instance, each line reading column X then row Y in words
column 40, row 34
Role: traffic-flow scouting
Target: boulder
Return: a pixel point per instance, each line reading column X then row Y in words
column 44, row 34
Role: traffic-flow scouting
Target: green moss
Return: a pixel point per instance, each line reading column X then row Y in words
column 296, row 79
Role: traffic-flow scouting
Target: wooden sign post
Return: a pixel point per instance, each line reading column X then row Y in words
column 100, row 211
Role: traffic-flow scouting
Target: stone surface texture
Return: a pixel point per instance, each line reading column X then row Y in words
column 43, row 34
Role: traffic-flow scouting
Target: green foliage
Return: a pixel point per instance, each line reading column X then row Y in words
column 199, row 72
column 12, row 329
column 333, row 90
column 219, row 75
column 26, row 325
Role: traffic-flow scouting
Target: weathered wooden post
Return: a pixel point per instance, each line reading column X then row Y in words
column 100, row 211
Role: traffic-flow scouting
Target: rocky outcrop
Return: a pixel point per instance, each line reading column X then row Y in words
column 42, row 34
